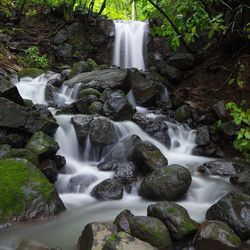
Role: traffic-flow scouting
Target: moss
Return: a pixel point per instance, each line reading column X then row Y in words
column 90, row 91
column 29, row 72
column 172, row 210
column 20, row 183
column 188, row 225
column 92, row 64
column 234, row 239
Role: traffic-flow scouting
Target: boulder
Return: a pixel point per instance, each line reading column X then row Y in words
column 15, row 140
column 124, row 241
column 167, row 183
column 94, row 235
column 89, row 91
column 109, row 189
column 4, row 149
column 175, row 217
column 48, row 167
column 102, row 132
column 171, row 73
column 183, row 61
column 59, row 160
column 221, row 110
column 26, row 119
column 233, row 209
column 117, row 107
column 216, row 235
column 25, row 193
column 30, row 72
column 183, row 113
column 122, row 221
column 42, row 145
column 242, row 180
column 79, row 67
column 80, row 183
column 95, row 108
column 151, row 230
column 148, row 157
column 202, row 136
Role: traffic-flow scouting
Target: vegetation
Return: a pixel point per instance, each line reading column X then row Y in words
column 34, row 59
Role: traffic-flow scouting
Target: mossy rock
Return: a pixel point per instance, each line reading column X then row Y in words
column 42, row 145
column 22, row 153
column 30, row 72
column 95, row 108
column 103, row 66
column 25, row 193
column 92, row 64
column 4, row 149
column 90, row 91
column 79, row 67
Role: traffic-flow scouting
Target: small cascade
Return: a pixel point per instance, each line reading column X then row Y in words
column 130, row 40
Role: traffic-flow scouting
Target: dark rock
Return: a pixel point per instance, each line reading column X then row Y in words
column 167, row 183
column 151, row 230
column 81, row 124
column 117, row 107
column 229, row 129
column 48, row 167
column 55, row 82
column 42, row 145
column 79, row 183
column 148, row 157
column 233, row 209
column 13, row 139
column 82, row 105
column 216, row 235
column 109, row 189
column 94, row 235
column 95, row 108
column 175, row 217
column 170, row 72
column 122, row 221
column 79, row 67
column 59, row 38
column 220, row 110
column 202, row 136
column 59, row 160
column 108, row 165
column 183, row 113
column 89, row 91
column 182, row 61
column 242, row 180
column 102, row 131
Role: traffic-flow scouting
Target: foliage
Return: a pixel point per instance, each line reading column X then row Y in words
column 238, row 75
column 242, row 118
column 35, row 59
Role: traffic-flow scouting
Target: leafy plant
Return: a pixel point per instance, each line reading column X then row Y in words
column 239, row 75
column 31, row 13
column 35, row 59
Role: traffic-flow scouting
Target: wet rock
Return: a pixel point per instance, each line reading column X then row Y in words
column 122, row 221
column 202, row 136
column 151, row 230
column 42, row 145
column 175, row 217
column 183, row 113
column 229, row 129
column 81, row 124
column 89, row 91
column 96, row 108
column 10, row 91
column 94, row 235
column 148, row 157
column 167, row 183
column 124, row 241
column 31, row 245
column 56, row 82
column 59, row 38
column 48, row 167
column 242, row 180
column 79, row 183
column 220, row 110
column 233, row 209
column 216, row 235
column 29, row 195
column 109, row 189
column 15, row 116
column 182, row 61
column 82, row 105
column 117, row 107
column 15, row 140
column 30, row 72
column 79, row 67
column 59, row 160
column 171, row 73
column 102, row 131
column 4, row 149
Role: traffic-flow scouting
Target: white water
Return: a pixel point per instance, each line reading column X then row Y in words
column 130, row 44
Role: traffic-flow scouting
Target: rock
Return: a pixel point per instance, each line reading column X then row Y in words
column 124, row 241
column 27, row 194
column 90, row 91
column 56, row 82
column 171, row 73
column 229, row 129
column 125, row 173
column 151, row 230
column 31, row 245
column 96, row 108
column 79, row 183
column 147, row 157
column 81, row 124
column 13, row 139
column 216, row 235
column 219, row 167
column 4, row 149
column 94, row 236
column 183, row 113
column 102, row 131
column 202, row 136
column 10, row 91
column 167, row 183
column 82, row 105
column 42, row 145
column 22, row 153
column 117, row 107
column 30, row 72
column 233, row 209
column 79, row 67
column 48, row 167
column 59, row 160
column 59, row 38
column 122, row 221
column 175, row 217
column 183, row 61
column 109, row 189
column 220, row 110
column 92, row 64
column 242, row 180
column 15, row 116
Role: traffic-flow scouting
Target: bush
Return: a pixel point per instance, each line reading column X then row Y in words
column 35, row 60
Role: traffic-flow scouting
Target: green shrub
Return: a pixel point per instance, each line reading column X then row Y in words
column 34, row 59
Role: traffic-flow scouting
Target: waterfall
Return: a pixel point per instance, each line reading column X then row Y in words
column 130, row 41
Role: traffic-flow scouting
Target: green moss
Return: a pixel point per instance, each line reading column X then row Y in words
column 172, row 210
column 20, row 183
column 234, row 239
column 90, row 91
column 29, row 72
column 188, row 225
column 92, row 64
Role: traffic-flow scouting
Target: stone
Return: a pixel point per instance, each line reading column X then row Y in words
column 48, row 167
column 4, row 149
column 183, row 61
column 79, row 67
column 30, row 72
column 26, row 194
column 31, row 245
column 59, row 160
column 167, row 183
column 220, row 110
column 242, row 180
column 147, row 157
column 171, row 73
column 59, row 38
column 109, row 189
column 216, row 235
column 183, row 113
column 94, row 235
column 95, row 108
column 233, row 209
column 122, row 221
column 80, row 183
column 175, row 217
column 89, row 91
column 42, row 145
column 202, row 136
